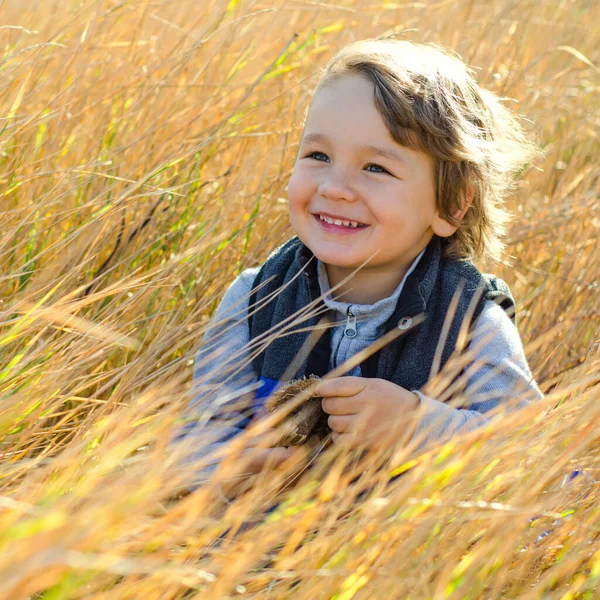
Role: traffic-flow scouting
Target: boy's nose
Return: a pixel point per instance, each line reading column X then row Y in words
column 335, row 188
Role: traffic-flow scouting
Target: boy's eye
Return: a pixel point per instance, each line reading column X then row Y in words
column 318, row 156
column 376, row 169
column 372, row 168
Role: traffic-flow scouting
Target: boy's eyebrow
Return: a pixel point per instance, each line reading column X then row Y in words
column 389, row 153
column 314, row 138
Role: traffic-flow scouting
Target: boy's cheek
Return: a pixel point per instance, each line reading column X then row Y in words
column 299, row 188
column 292, row 186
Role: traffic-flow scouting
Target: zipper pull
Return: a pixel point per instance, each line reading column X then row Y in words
column 350, row 329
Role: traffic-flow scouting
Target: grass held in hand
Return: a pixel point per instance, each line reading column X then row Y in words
column 307, row 422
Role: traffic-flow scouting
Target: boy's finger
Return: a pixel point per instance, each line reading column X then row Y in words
column 276, row 456
column 269, row 458
column 342, row 424
column 343, row 439
column 344, row 405
column 297, row 453
column 341, row 386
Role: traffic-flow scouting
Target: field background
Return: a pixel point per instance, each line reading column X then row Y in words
column 145, row 148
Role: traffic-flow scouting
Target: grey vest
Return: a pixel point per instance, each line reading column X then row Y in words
column 406, row 361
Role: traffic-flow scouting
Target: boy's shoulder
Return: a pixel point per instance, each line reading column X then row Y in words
column 239, row 290
column 463, row 268
column 464, row 272
column 244, row 281
column 242, row 287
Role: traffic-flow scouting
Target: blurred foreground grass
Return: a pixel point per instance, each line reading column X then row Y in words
column 144, row 153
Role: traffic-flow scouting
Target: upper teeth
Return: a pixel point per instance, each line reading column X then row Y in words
column 339, row 221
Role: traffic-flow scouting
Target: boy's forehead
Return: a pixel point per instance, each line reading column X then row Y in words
column 344, row 112
column 344, row 90
column 347, row 103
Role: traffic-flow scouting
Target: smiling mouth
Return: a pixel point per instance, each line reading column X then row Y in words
column 340, row 222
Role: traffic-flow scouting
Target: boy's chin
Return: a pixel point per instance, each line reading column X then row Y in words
column 334, row 254
column 337, row 261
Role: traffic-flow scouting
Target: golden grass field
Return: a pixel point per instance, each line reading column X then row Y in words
column 145, row 148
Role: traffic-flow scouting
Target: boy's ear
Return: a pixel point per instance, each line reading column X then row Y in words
column 459, row 214
column 442, row 228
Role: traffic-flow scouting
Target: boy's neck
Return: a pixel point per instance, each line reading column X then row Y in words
column 365, row 287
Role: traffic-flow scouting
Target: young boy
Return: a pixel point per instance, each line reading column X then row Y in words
column 401, row 170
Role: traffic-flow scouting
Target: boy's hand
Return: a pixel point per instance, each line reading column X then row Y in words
column 368, row 412
column 272, row 458
column 260, row 460
column 268, row 458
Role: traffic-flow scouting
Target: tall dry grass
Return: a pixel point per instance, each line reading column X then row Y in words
column 144, row 152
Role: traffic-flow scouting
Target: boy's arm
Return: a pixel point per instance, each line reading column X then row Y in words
column 499, row 374
column 224, row 380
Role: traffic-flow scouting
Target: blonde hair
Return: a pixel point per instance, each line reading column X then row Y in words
column 430, row 102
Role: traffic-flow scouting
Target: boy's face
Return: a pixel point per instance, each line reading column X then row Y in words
column 350, row 168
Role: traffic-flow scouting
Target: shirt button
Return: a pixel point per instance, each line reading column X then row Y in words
column 404, row 323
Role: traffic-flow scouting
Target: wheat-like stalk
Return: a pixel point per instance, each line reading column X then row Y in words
column 145, row 148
